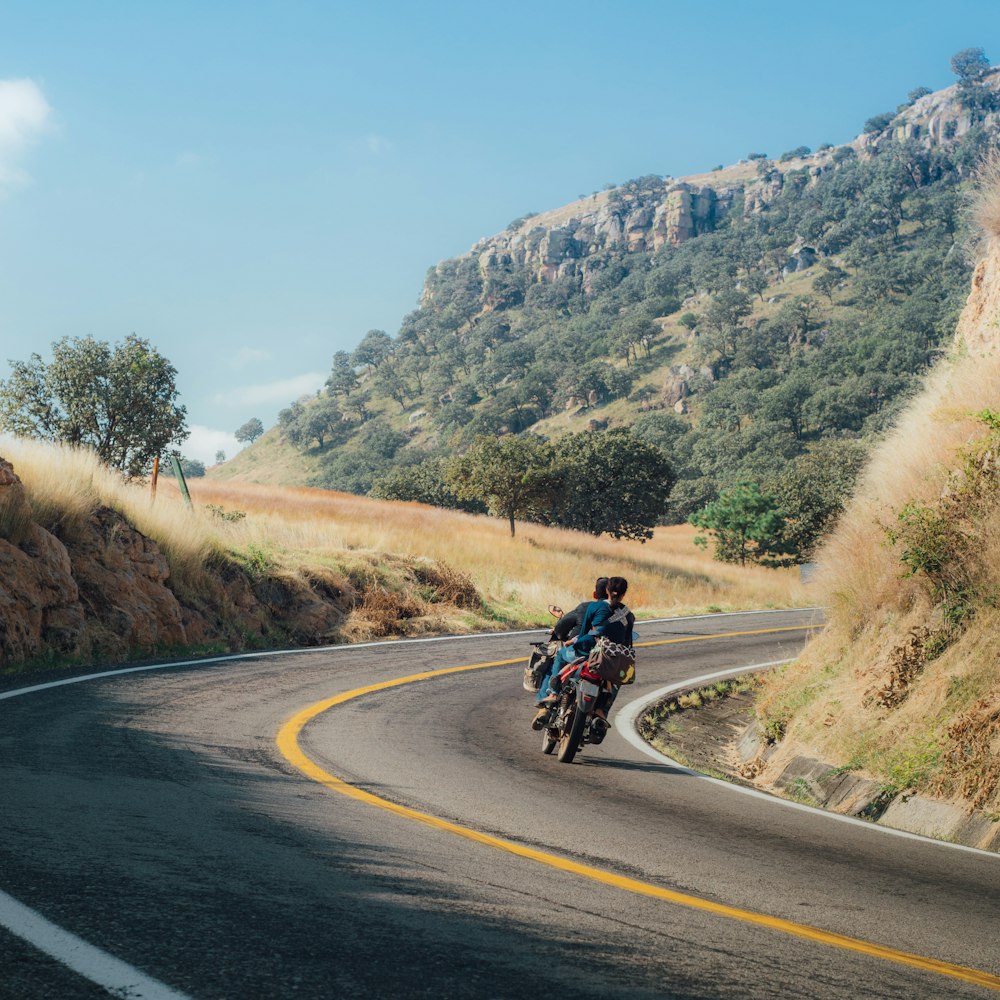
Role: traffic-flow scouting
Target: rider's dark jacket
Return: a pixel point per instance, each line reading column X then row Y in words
column 569, row 625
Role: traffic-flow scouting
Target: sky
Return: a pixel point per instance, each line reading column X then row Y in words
column 253, row 186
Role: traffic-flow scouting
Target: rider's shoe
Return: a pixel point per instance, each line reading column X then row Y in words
column 541, row 718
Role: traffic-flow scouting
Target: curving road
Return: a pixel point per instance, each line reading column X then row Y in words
column 153, row 816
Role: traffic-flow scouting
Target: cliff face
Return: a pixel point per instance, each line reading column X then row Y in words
column 978, row 330
column 654, row 211
column 105, row 592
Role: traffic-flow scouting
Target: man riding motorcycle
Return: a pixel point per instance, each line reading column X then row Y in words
column 611, row 619
column 567, row 630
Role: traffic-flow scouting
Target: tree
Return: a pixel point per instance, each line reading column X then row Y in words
column 971, row 67
column 375, row 347
column 878, row 123
column 970, row 64
column 424, row 483
column 746, row 525
column 250, row 431
column 343, row 379
column 192, row 468
column 511, row 475
column 220, row 457
column 120, row 401
column 612, row 483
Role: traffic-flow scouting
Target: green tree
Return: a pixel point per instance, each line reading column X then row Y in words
column 250, row 431
column 424, row 482
column 813, row 489
column 746, row 526
column 192, row 468
column 612, row 483
column 120, row 401
column 375, row 347
column 512, row 476
column 343, row 379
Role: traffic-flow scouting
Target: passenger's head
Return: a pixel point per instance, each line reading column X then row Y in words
column 601, row 588
column 617, row 585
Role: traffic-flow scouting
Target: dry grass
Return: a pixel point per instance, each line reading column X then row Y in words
column 872, row 693
column 519, row 576
column 66, row 485
column 415, row 569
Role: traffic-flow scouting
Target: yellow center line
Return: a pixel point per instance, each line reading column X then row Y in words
column 288, row 744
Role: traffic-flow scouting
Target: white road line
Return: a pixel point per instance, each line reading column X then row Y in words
column 98, row 966
column 628, row 719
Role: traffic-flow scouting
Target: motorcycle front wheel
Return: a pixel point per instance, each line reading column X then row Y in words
column 572, row 737
column 548, row 741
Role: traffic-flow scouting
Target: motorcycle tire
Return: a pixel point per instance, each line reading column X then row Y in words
column 548, row 741
column 573, row 738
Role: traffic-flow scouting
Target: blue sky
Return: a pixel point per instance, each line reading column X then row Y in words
column 253, row 186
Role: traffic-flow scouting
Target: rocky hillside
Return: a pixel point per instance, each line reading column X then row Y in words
column 763, row 322
column 654, row 212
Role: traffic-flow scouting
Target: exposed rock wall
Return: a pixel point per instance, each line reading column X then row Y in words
column 665, row 211
column 978, row 329
column 105, row 592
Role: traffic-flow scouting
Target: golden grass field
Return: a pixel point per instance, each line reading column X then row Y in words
column 519, row 576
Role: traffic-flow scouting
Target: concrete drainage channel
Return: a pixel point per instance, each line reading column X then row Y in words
column 719, row 737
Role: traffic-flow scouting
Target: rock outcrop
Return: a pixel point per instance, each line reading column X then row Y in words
column 105, row 591
column 978, row 330
column 653, row 212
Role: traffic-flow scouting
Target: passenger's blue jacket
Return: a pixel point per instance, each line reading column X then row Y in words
column 601, row 619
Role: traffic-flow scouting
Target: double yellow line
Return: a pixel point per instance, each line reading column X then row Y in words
column 288, row 744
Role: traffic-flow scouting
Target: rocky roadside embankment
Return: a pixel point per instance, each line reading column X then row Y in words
column 100, row 590
column 722, row 737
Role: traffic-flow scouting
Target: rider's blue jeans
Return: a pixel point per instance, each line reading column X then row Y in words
column 564, row 656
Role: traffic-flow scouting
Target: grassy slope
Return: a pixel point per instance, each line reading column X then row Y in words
column 517, row 577
column 875, row 693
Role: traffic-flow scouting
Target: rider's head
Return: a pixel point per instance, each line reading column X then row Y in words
column 601, row 588
column 617, row 585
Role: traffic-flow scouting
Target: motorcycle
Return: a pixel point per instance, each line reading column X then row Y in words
column 572, row 723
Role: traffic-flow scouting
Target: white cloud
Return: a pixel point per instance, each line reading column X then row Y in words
column 204, row 442
column 24, row 116
column 281, row 391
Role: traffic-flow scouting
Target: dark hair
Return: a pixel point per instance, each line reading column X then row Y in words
column 601, row 588
column 617, row 585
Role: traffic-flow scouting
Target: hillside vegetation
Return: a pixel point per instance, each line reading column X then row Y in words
column 763, row 322
column 904, row 685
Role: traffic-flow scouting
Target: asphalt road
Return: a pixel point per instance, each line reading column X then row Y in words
column 152, row 815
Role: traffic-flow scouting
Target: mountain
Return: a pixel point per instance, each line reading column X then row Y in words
column 761, row 321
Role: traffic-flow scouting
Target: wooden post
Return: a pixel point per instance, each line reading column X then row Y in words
column 156, row 475
column 181, row 481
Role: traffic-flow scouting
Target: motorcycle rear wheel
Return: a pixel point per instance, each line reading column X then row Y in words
column 572, row 738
